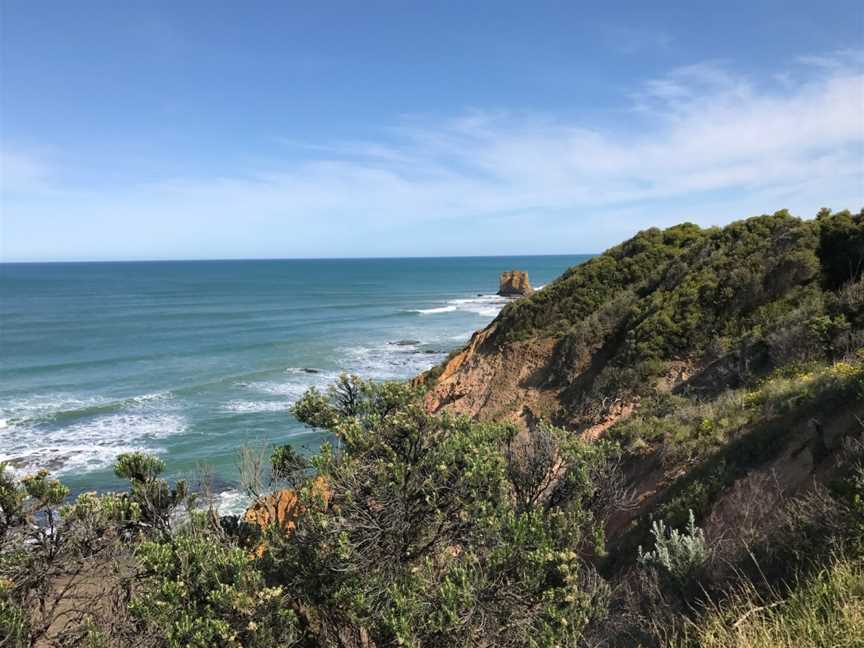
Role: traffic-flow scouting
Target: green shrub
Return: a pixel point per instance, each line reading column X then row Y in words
column 678, row 554
column 288, row 465
column 434, row 533
column 199, row 591
column 151, row 501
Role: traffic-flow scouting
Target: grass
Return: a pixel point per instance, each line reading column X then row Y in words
column 690, row 430
column 825, row 611
column 789, row 389
column 721, row 440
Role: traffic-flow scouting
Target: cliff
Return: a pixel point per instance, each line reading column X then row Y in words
column 678, row 310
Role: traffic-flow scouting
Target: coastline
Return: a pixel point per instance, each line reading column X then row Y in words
column 192, row 361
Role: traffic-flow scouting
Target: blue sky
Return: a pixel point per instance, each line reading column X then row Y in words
column 151, row 130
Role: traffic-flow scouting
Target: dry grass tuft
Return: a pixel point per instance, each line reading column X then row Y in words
column 826, row 611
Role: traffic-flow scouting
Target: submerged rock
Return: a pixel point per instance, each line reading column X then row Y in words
column 514, row 284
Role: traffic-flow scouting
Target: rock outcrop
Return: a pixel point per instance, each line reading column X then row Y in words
column 515, row 284
column 279, row 507
column 282, row 508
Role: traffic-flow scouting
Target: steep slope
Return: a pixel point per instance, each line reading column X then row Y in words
column 683, row 309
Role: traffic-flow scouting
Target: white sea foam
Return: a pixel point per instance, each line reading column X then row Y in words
column 35, row 436
column 483, row 305
column 435, row 311
column 71, row 457
column 389, row 361
column 159, row 396
column 296, row 385
column 42, row 405
column 231, row 502
column 385, row 361
column 463, row 337
column 255, row 407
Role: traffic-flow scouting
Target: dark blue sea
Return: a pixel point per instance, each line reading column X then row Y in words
column 192, row 360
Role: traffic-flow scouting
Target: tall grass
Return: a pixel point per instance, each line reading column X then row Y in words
column 689, row 429
column 824, row 611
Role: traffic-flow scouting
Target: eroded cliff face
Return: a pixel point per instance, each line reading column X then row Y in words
column 282, row 508
column 523, row 382
column 491, row 382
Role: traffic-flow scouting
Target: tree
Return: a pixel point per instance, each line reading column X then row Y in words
column 434, row 534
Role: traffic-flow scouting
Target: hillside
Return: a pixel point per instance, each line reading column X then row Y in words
column 685, row 310
column 697, row 350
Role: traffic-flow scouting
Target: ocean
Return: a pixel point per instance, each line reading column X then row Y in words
column 192, row 360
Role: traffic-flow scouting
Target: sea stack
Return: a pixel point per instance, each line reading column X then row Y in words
column 514, row 284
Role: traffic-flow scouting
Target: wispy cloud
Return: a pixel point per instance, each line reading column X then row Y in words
column 703, row 129
column 700, row 139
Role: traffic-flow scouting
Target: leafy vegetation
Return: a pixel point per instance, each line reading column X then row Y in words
column 435, row 534
column 733, row 303
column 680, row 555
column 431, row 531
column 688, row 430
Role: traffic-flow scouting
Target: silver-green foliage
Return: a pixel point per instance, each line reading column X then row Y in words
column 678, row 554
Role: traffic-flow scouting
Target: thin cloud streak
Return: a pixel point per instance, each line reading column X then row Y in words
column 699, row 133
column 715, row 132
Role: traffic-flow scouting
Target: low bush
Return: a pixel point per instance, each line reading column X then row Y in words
column 679, row 555
column 440, row 531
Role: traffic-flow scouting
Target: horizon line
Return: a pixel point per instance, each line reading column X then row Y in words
column 357, row 258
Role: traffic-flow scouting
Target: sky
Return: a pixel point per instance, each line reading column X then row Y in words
column 189, row 130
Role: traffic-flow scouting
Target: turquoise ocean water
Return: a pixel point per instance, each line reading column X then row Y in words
column 192, row 360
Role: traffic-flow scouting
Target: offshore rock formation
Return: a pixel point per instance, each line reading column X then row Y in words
column 515, row 284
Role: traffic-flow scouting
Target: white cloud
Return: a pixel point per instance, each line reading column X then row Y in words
column 700, row 140
column 706, row 130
